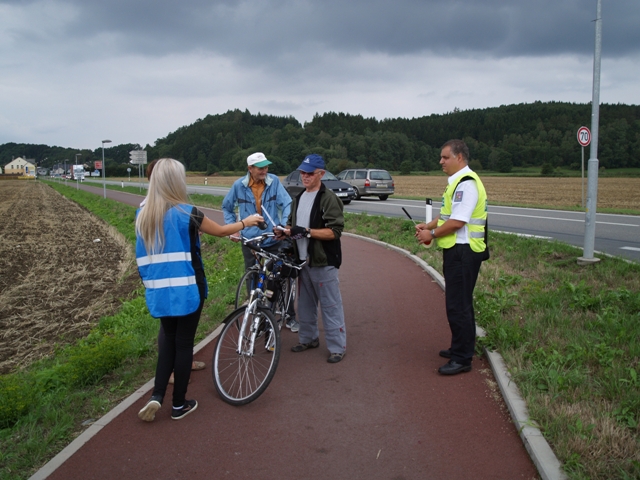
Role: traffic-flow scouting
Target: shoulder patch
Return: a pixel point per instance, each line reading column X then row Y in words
column 458, row 196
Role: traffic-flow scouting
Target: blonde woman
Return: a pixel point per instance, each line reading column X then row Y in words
column 170, row 264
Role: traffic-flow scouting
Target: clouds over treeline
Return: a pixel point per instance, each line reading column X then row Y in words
column 257, row 30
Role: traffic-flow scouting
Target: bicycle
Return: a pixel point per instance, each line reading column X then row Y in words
column 248, row 349
column 282, row 298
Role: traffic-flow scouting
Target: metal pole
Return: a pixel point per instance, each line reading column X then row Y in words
column 104, row 168
column 104, row 184
column 592, row 191
column 582, row 204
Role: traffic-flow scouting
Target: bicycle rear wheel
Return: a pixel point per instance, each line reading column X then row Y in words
column 240, row 376
column 247, row 283
column 287, row 297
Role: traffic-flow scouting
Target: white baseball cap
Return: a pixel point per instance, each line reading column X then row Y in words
column 257, row 160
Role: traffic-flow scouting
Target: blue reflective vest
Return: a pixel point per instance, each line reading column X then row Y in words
column 171, row 276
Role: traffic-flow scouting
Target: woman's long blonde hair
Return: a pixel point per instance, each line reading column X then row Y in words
column 167, row 188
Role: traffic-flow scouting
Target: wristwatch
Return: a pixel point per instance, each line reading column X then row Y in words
column 308, row 233
column 433, row 233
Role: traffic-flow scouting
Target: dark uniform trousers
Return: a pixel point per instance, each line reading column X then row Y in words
column 461, row 266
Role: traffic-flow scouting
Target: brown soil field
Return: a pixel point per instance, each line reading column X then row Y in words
column 55, row 280
column 615, row 193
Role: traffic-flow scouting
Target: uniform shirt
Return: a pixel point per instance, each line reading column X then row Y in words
column 463, row 203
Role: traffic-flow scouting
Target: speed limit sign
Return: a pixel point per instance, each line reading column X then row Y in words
column 584, row 136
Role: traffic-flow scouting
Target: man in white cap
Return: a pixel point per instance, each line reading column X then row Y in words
column 256, row 191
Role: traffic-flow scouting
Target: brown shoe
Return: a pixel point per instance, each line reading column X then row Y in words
column 197, row 365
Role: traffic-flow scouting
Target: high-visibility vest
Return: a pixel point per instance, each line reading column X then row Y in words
column 169, row 276
column 477, row 222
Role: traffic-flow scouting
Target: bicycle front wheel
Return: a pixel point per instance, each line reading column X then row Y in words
column 247, row 283
column 242, row 374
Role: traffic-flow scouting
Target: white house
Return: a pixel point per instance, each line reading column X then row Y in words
column 20, row 166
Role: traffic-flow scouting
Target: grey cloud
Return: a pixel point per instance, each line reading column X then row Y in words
column 254, row 29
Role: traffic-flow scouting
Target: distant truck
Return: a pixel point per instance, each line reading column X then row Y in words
column 77, row 172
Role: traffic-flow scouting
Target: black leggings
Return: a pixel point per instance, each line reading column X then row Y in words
column 175, row 354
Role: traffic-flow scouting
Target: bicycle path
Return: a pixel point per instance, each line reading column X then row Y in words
column 382, row 413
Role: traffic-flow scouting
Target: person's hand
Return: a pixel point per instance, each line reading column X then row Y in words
column 280, row 232
column 253, row 220
column 298, row 232
column 424, row 236
column 235, row 237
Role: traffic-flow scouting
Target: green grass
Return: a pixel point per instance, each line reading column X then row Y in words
column 43, row 407
column 570, row 336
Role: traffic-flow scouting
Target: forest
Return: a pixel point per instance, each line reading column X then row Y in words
column 539, row 134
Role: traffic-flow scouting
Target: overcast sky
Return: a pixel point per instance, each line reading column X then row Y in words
column 75, row 72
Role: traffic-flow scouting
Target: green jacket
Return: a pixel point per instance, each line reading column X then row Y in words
column 326, row 212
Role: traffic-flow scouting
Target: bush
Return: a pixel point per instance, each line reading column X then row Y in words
column 15, row 398
column 475, row 165
column 405, row 167
column 547, row 169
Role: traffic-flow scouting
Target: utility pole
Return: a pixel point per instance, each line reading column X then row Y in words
column 592, row 172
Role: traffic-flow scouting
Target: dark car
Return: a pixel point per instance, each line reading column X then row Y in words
column 344, row 191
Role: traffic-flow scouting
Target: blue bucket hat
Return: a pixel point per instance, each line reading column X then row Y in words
column 311, row 163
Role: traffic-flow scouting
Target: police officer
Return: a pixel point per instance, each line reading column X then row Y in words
column 460, row 230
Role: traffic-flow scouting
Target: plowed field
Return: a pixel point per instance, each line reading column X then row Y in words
column 56, row 279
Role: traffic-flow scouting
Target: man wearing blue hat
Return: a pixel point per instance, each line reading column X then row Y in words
column 256, row 191
column 316, row 223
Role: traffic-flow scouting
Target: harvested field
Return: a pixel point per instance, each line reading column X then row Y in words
column 560, row 192
column 618, row 193
column 55, row 280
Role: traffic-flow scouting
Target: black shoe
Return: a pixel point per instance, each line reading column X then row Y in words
column 445, row 353
column 188, row 407
column 335, row 357
column 301, row 347
column 453, row 367
column 148, row 412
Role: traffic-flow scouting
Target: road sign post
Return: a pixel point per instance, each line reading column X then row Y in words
column 138, row 157
column 584, row 139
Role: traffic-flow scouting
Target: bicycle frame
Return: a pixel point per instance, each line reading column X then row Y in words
column 258, row 293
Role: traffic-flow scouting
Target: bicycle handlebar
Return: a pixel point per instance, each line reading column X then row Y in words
column 254, row 244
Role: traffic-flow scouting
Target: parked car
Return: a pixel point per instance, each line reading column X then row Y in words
column 369, row 182
column 293, row 184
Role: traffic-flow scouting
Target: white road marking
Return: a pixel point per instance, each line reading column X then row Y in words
column 492, row 213
column 635, row 249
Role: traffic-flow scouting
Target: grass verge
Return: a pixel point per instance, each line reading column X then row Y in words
column 44, row 407
column 570, row 336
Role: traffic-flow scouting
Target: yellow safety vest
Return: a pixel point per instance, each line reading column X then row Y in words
column 478, row 221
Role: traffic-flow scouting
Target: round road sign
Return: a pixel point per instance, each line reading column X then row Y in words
column 584, row 136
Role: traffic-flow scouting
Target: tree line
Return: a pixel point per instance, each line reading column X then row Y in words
column 539, row 134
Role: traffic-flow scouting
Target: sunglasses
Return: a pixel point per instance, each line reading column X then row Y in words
column 308, row 174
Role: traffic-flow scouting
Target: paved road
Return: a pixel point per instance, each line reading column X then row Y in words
column 382, row 413
column 617, row 235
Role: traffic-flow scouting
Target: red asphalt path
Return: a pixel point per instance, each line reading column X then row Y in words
column 382, row 413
